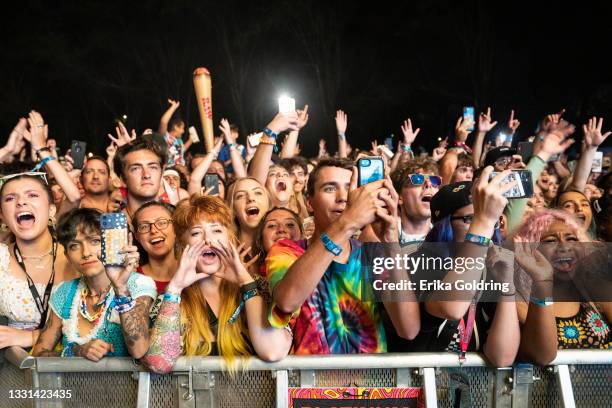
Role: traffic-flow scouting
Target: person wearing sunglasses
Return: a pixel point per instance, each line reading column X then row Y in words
column 154, row 232
column 416, row 183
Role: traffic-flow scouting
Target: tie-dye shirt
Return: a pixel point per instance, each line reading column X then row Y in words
column 333, row 319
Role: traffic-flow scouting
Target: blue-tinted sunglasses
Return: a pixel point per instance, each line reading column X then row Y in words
column 419, row 179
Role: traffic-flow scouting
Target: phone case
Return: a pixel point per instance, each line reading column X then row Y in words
column 212, row 180
column 114, row 231
column 468, row 114
column 370, row 169
column 77, row 151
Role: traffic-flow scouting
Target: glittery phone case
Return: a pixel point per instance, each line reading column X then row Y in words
column 114, row 231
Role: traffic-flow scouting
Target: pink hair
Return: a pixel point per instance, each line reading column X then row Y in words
column 537, row 223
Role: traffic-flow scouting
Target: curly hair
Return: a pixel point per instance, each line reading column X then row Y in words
column 400, row 174
column 537, row 223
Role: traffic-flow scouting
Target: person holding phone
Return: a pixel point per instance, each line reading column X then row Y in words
column 105, row 312
column 212, row 305
column 319, row 281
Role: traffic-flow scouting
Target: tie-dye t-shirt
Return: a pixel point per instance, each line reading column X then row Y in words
column 333, row 319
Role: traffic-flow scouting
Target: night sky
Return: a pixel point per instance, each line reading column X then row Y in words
column 85, row 64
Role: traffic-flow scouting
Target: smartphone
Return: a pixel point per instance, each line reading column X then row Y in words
column 385, row 150
column 286, row 104
column 254, row 139
column 525, row 149
column 193, row 135
column 114, row 231
column 523, row 187
column 370, row 169
column 212, row 180
column 468, row 115
column 389, row 142
column 77, row 151
column 596, row 167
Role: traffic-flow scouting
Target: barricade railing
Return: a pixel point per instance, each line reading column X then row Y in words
column 579, row 378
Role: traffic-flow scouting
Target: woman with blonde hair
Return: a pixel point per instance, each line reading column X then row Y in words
column 212, row 305
column 550, row 248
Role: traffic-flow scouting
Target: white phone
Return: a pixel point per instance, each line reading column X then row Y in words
column 286, row 104
column 254, row 139
column 193, row 135
column 597, row 162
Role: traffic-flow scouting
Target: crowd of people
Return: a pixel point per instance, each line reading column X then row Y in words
column 256, row 251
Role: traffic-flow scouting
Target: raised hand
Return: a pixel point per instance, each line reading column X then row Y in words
column 123, row 137
column 186, row 273
column 554, row 142
column 224, row 127
column 174, row 104
column 244, row 253
column 233, row 269
column 363, row 202
column 111, row 150
column 485, row 123
column 68, row 161
column 513, row 123
column 488, row 199
column 37, row 134
column 531, row 260
column 385, row 227
column 283, row 122
column 552, row 121
column 409, row 134
column 592, row 133
column 374, row 145
column 341, row 122
column 461, row 129
column 302, row 117
column 440, row 151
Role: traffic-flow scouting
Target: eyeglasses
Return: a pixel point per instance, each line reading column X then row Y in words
column 467, row 219
column 160, row 224
column 419, row 179
column 40, row 174
column 503, row 161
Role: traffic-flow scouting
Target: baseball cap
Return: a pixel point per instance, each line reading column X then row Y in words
column 449, row 199
column 498, row 153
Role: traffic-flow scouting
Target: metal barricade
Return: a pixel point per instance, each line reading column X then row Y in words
column 576, row 378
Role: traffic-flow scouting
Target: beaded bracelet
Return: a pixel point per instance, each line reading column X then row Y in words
column 122, row 300
column 121, row 309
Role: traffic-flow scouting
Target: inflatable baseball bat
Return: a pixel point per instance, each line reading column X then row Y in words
column 203, row 90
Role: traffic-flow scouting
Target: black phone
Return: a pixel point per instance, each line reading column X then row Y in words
column 525, row 149
column 523, row 187
column 77, row 151
column 370, row 169
column 212, row 180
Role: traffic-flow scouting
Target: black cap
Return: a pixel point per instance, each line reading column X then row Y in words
column 498, row 153
column 449, row 199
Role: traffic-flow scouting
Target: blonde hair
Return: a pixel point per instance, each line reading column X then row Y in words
column 229, row 198
column 232, row 339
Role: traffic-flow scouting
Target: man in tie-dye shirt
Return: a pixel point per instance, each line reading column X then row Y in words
column 317, row 286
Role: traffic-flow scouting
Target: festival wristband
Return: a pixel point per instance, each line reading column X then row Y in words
column 231, row 146
column 477, row 239
column 121, row 309
column 247, row 287
column 245, row 296
column 42, row 149
column 341, row 135
column 43, row 162
column 330, row 245
column 547, row 301
column 122, row 300
column 269, row 132
column 171, row 297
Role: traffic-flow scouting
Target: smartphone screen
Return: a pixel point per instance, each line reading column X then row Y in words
column 523, row 187
column 468, row 116
column 597, row 162
column 286, row 104
column 525, row 149
column 370, row 169
column 212, row 180
column 78, row 153
column 389, row 142
column 254, row 139
column 114, row 231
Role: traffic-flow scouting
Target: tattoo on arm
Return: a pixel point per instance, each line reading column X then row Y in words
column 165, row 345
column 49, row 336
column 135, row 323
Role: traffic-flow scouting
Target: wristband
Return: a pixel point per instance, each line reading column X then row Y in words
column 330, row 245
column 508, row 294
column 121, row 309
column 341, row 135
column 171, row 297
column 248, row 286
column 245, row 296
column 270, row 132
column 477, row 239
column 42, row 149
column 231, row 146
column 547, row 301
column 406, row 147
column 43, row 162
column 122, row 300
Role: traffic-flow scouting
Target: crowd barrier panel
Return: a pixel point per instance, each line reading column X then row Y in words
column 581, row 378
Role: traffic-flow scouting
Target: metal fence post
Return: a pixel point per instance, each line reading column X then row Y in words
column 503, row 388
column 429, row 386
column 282, row 388
column 402, row 377
column 565, row 383
column 144, row 389
column 523, row 378
column 307, row 378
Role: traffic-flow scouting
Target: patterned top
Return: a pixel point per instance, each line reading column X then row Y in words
column 333, row 319
column 16, row 300
column 175, row 150
column 65, row 303
column 587, row 329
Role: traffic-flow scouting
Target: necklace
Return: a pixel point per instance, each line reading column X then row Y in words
column 93, row 318
column 37, row 256
column 72, row 331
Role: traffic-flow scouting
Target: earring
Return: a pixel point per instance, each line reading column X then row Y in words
column 51, row 221
column 4, row 227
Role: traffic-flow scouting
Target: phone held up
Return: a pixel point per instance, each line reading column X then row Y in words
column 77, row 151
column 468, row 116
column 370, row 169
column 114, row 231
column 523, row 187
column 212, row 180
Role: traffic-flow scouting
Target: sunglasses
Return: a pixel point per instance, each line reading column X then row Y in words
column 419, row 179
column 40, row 174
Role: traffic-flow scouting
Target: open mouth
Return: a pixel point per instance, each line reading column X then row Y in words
column 281, row 186
column 252, row 211
column 209, row 256
column 581, row 217
column 157, row 242
column 426, row 199
column 564, row 264
column 25, row 219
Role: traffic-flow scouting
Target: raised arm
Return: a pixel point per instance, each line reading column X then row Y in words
column 165, row 119
column 592, row 139
column 291, row 141
column 341, row 125
column 263, row 155
column 513, row 124
column 235, row 157
column 15, row 142
column 195, row 179
column 485, row 124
